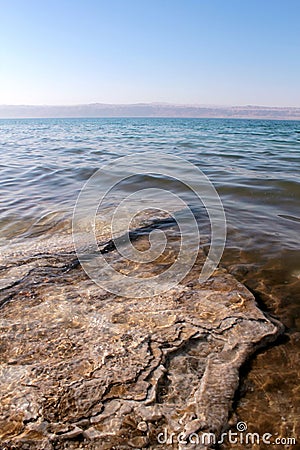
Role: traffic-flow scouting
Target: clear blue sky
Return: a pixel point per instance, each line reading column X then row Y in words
column 126, row 51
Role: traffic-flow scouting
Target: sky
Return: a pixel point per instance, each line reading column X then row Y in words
column 212, row 52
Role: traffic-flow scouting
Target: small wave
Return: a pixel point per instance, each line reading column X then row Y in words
column 286, row 216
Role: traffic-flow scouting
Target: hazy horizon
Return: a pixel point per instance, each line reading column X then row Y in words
column 154, row 109
column 203, row 105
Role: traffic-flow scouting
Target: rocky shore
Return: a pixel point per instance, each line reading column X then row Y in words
column 83, row 368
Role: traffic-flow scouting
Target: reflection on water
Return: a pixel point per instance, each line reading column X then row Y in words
column 254, row 165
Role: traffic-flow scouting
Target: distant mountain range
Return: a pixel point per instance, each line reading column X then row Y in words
column 149, row 110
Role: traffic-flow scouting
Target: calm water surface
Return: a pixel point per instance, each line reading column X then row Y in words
column 255, row 167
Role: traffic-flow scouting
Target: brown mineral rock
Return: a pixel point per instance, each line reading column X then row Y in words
column 83, row 368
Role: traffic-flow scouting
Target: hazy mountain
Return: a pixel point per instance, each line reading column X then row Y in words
column 148, row 110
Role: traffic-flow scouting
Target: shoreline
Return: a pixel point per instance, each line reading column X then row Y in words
column 108, row 359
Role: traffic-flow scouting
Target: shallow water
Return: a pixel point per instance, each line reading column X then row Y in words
column 255, row 167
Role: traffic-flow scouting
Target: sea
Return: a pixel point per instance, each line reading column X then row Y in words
column 254, row 166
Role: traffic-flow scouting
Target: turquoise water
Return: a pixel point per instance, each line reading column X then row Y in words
column 254, row 165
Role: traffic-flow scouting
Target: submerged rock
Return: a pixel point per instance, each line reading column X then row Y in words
column 83, row 368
